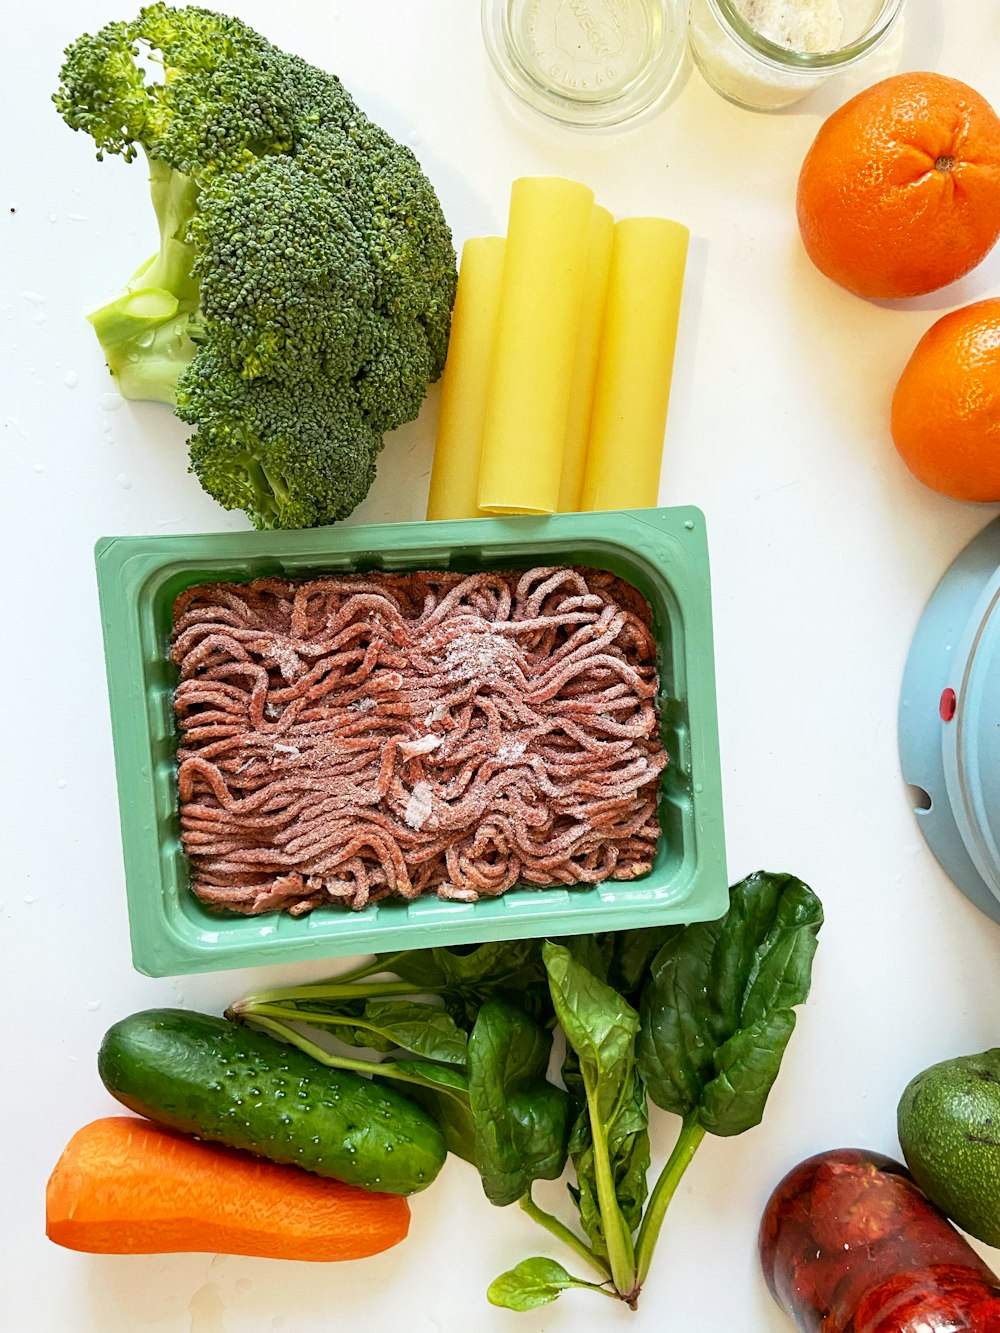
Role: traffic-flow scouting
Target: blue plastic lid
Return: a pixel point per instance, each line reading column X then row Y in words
column 972, row 744
column 949, row 721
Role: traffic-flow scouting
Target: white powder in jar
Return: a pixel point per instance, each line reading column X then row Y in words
column 800, row 25
column 761, row 82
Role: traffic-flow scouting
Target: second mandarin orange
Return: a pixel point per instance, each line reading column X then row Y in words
column 946, row 407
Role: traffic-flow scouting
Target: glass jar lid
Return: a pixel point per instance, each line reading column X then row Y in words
column 585, row 62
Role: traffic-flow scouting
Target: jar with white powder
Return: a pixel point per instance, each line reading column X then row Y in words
column 767, row 54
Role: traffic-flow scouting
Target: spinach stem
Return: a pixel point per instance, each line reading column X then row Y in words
column 384, row 1069
column 335, row 989
column 692, row 1133
column 377, row 964
column 617, row 1236
column 563, row 1233
column 291, row 1013
column 595, row 1286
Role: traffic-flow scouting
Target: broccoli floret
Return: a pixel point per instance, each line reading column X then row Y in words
column 299, row 303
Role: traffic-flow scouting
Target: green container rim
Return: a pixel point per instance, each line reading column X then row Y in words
column 663, row 552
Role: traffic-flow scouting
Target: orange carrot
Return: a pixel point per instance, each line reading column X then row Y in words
column 126, row 1186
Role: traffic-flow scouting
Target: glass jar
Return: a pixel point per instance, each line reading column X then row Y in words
column 585, row 62
column 848, row 1244
column 767, row 54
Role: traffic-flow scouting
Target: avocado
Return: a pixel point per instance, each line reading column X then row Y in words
column 948, row 1122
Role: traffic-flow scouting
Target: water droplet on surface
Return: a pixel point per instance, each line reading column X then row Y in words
column 244, row 1284
column 71, row 379
column 38, row 467
column 93, row 1006
column 61, row 784
column 110, row 402
column 29, row 898
column 124, row 481
column 34, row 297
column 207, row 1309
column 147, row 339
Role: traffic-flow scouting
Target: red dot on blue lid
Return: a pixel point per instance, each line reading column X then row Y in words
column 947, row 704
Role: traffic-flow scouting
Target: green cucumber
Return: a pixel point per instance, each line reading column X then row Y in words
column 225, row 1082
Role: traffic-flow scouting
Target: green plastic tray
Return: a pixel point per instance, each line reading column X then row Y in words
column 662, row 552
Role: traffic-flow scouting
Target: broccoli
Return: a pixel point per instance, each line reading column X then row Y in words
column 300, row 300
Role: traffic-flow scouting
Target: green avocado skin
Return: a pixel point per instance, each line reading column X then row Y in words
column 230, row 1084
column 948, row 1121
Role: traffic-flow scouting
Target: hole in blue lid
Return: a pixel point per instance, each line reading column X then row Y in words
column 920, row 798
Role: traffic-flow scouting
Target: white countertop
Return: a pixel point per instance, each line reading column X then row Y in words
column 824, row 550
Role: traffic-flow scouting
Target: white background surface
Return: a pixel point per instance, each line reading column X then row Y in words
column 824, row 551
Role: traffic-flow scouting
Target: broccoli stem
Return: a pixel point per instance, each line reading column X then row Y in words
column 145, row 332
column 175, row 201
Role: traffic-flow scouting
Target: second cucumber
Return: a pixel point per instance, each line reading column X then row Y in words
column 229, row 1084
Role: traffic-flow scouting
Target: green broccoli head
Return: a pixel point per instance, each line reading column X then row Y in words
column 292, row 451
column 300, row 300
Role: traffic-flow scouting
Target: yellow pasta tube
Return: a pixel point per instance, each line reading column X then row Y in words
column 632, row 393
column 454, row 487
column 588, row 343
column 527, row 404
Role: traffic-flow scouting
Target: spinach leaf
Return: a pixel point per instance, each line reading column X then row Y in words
column 421, row 1029
column 444, row 1093
column 610, row 1141
column 532, row 1283
column 633, row 952
column 467, row 979
column 594, row 952
column 388, row 1025
column 520, row 1120
column 599, row 1025
column 621, row 958
column 717, row 1012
